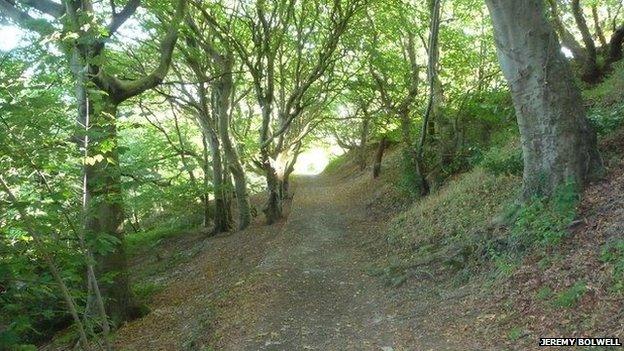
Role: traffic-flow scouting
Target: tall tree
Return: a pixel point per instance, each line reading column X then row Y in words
column 220, row 63
column 98, row 95
column 558, row 143
column 434, row 87
column 396, row 76
column 567, row 38
column 591, row 72
column 262, row 44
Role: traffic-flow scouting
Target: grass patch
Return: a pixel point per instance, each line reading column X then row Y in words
column 515, row 333
column 610, row 91
column 335, row 163
column 607, row 111
column 464, row 206
column 454, row 229
column 474, row 221
column 146, row 291
column 544, row 221
column 148, row 240
column 544, row 293
column 505, row 265
column 613, row 254
column 570, row 296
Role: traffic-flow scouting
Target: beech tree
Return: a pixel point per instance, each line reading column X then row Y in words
column 261, row 42
column 98, row 95
column 589, row 53
column 558, row 144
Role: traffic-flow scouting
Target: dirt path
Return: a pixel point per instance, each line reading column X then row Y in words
column 323, row 300
column 302, row 284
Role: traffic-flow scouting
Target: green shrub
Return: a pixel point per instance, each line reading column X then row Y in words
column 613, row 254
column 606, row 119
column 146, row 291
column 544, row 221
column 146, row 240
column 544, row 293
column 610, row 91
column 607, row 112
column 503, row 160
column 570, row 296
column 409, row 181
column 335, row 163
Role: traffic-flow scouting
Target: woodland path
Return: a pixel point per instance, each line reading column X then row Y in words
column 302, row 284
column 324, row 300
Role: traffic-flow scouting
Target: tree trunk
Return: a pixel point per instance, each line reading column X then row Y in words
column 240, row 189
column 428, row 128
column 227, row 193
column 379, row 157
column 273, row 207
column 221, row 215
column 599, row 31
column 591, row 73
column 615, row 47
column 567, row 38
column 361, row 150
column 222, row 95
column 558, row 144
column 206, row 182
column 288, row 171
column 104, row 209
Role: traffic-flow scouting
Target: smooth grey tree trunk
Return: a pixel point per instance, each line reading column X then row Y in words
column 104, row 211
column 379, row 157
column 558, row 144
column 222, row 95
column 361, row 148
column 206, row 182
column 221, row 213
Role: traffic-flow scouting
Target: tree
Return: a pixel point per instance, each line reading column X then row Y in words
column 398, row 94
column 591, row 72
column 433, row 101
column 98, row 96
column 588, row 55
column 558, row 144
column 219, row 64
column 287, row 53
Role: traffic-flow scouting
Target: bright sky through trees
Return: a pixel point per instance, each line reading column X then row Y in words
column 10, row 37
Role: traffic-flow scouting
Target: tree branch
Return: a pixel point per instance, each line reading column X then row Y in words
column 23, row 19
column 120, row 18
column 46, row 6
column 121, row 90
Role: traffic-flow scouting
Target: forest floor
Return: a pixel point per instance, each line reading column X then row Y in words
column 303, row 284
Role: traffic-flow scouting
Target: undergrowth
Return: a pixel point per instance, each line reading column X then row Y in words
column 147, row 240
column 544, row 221
column 447, row 228
column 606, row 99
column 506, row 159
column 335, row 163
column 570, row 296
column 409, row 181
column 613, row 254
column 475, row 222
